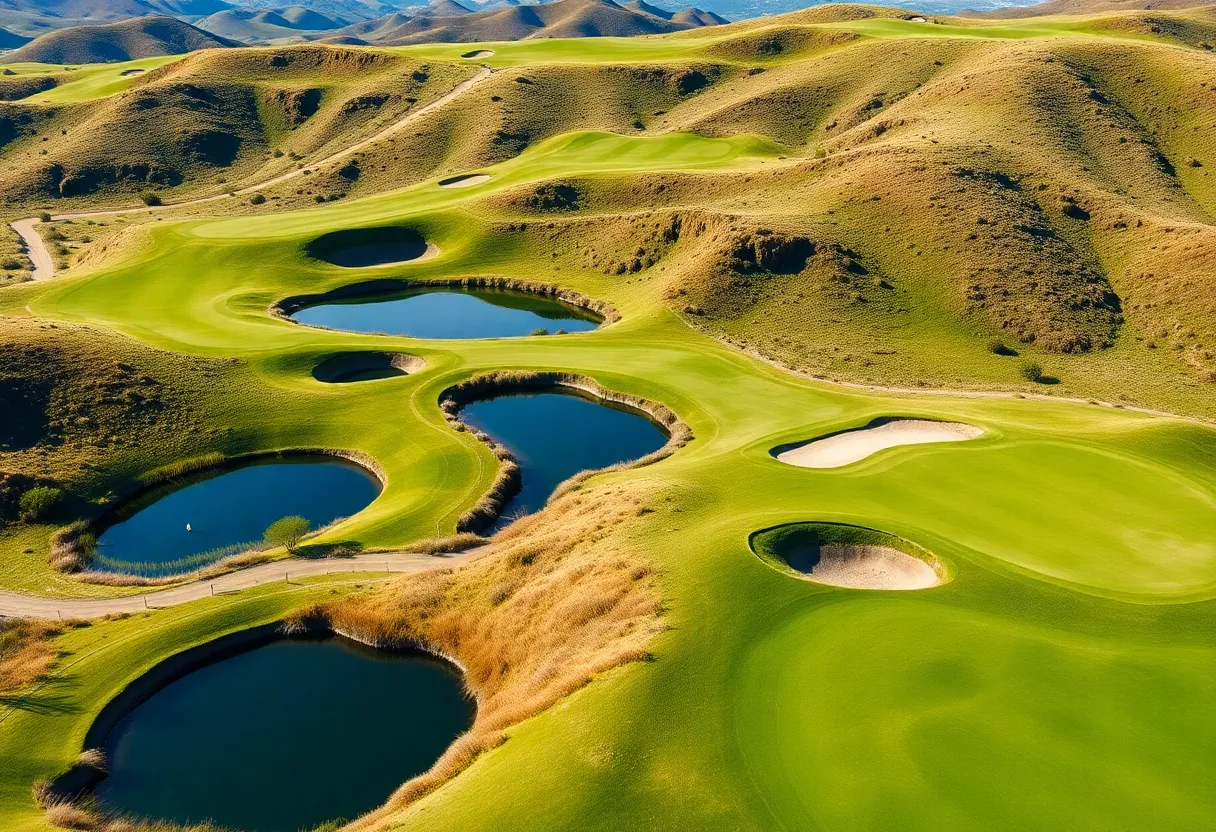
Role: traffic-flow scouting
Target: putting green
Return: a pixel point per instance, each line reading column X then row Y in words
column 1061, row 679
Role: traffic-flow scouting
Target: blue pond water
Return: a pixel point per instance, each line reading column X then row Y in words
column 231, row 508
column 448, row 314
column 555, row 435
column 284, row 737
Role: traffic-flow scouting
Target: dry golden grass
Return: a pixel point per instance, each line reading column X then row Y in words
column 26, row 651
column 553, row 604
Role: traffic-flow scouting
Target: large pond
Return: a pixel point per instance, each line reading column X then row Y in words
column 555, row 435
column 284, row 737
column 449, row 313
column 218, row 513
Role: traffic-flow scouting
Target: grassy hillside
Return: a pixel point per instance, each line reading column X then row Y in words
column 141, row 37
column 1017, row 210
column 209, row 120
column 1076, row 537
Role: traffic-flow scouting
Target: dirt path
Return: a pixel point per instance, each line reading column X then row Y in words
column 17, row 604
column 40, row 256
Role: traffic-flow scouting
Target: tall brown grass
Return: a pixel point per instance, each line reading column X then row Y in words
column 26, row 650
column 550, row 606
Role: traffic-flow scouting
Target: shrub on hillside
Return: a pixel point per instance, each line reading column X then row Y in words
column 1031, row 371
column 998, row 347
column 38, row 502
column 257, row 199
column 150, row 199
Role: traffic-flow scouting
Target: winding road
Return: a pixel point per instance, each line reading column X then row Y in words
column 20, row 605
column 44, row 265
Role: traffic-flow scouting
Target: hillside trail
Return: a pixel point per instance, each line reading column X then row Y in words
column 40, row 256
column 21, row 605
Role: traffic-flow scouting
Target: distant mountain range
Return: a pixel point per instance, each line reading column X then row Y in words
column 137, row 37
column 80, row 31
column 446, row 21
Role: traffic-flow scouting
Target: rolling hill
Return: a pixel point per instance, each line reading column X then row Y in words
column 560, row 19
column 824, row 230
column 35, row 17
column 269, row 24
column 140, row 37
column 1085, row 7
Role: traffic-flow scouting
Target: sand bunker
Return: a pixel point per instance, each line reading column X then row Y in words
column 478, row 53
column 127, row 73
column 348, row 367
column 363, row 247
column 838, row 554
column 871, row 567
column 851, row 446
column 465, row 180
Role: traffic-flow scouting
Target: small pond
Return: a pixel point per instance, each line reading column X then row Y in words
column 555, row 435
column 284, row 736
column 216, row 513
column 449, row 313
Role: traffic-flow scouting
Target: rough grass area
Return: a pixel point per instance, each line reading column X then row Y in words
column 26, row 652
column 553, row 604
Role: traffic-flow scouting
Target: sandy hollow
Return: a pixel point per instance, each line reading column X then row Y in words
column 871, row 567
column 855, row 445
column 466, row 181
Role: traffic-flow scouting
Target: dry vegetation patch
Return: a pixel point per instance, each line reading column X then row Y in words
column 553, row 603
column 26, row 651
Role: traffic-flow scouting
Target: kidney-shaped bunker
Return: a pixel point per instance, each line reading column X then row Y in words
column 362, row 247
column 848, row 556
column 365, row 365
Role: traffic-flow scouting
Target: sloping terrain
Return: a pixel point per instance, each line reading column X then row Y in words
column 11, row 40
column 1018, row 212
column 218, row 114
column 269, row 24
column 142, row 37
column 35, row 17
column 1086, row 7
column 560, row 19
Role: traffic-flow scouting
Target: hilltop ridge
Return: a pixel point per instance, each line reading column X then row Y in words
column 140, row 37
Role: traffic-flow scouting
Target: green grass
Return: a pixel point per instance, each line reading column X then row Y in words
column 89, row 82
column 1062, row 679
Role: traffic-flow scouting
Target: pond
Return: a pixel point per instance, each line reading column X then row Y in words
column 284, row 736
column 216, row 513
column 449, row 313
column 555, row 435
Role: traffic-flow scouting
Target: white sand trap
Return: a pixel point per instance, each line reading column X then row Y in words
column 855, row 445
column 917, row 20
column 127, row 73
column 468, row 180
column 871, row 567
column 480, row 53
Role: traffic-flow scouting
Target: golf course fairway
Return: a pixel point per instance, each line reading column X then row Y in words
column 1061, row 676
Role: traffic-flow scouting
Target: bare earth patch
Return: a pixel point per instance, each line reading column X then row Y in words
column 871, row 567
column 852, row 446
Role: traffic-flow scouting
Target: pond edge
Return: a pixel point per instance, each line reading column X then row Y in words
column 285, row 308
column 69, row 553
column 507, row 483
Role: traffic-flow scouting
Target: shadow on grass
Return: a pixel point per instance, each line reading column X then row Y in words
column 338, row 549
column 49, row 700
